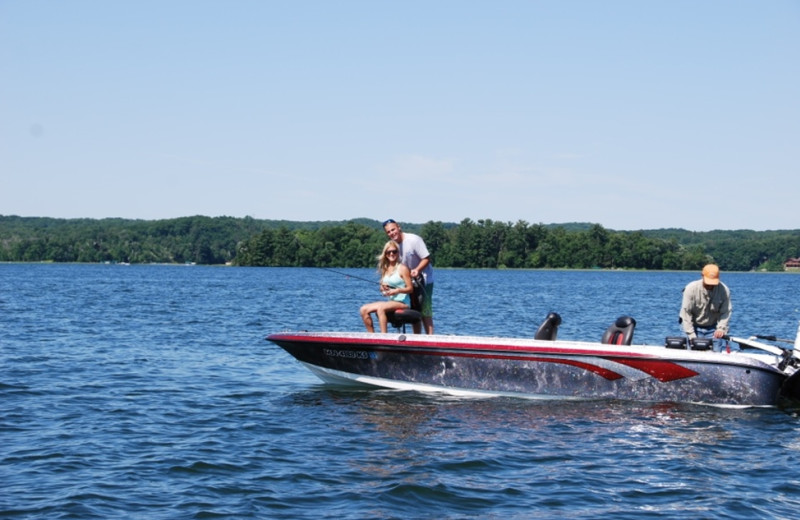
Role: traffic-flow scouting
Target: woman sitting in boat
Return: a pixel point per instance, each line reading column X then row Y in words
column 395, row 283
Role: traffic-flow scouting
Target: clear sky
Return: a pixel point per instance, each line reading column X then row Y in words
column 638, row 114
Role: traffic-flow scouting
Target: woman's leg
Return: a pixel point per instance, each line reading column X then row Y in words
column 383, row 308
column 380, row 309
column 366, row 316
column 383, row 321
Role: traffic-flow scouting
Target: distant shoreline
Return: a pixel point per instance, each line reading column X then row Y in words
column 514, row 269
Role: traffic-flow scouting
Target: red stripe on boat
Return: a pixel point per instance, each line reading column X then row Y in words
column 662, row 370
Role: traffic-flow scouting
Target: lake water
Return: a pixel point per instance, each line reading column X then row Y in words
column 150, row 392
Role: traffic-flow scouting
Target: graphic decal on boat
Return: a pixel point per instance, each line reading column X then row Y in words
column 352, row 354
column 664, row 371
column 607, row 368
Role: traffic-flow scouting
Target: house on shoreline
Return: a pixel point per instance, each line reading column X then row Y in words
column 792, row 264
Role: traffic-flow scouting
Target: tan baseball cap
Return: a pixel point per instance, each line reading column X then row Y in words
column 711, row 274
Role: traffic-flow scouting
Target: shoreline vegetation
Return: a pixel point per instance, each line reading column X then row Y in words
column 483, row 244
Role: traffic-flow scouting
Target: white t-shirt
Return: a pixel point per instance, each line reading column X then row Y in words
column 412, row 252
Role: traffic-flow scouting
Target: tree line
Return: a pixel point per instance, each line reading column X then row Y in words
column 490, row 244
column 201, row 240
column 355, row 243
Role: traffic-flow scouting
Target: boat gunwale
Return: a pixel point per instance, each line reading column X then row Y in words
column 502, row 346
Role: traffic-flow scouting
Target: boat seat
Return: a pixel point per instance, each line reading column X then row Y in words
column 621, row 332
column 548, row 330
column 401, row 317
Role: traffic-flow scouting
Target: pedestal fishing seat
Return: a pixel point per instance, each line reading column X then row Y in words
column 401, row 317
column 548, row 330
column 621, row 332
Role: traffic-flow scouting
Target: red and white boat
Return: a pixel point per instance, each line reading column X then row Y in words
column 544, row 367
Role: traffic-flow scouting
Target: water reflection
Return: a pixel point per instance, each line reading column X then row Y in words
column 406, row 421
column 462, row 448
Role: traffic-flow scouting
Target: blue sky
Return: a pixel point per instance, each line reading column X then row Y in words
column 630, row 114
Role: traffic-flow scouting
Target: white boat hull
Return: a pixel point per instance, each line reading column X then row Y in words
column 539, row 369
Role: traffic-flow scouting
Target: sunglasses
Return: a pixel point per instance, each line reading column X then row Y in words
column 391, row 252
column 389, row 221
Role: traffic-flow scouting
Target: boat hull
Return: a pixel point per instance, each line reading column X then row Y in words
column 536, row 369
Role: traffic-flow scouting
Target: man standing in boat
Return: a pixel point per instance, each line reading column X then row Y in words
column 414, row 255
column 706, row 307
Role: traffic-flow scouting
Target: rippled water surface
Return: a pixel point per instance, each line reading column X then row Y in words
column 150, row 392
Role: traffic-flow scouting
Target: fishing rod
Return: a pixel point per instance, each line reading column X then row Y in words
column 418, row 283
column 349, row 275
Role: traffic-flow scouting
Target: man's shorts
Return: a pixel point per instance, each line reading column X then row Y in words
column 427, row 304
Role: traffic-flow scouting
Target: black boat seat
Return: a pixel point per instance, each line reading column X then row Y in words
column 401, row 317
column 621, row 332
column 548, row 330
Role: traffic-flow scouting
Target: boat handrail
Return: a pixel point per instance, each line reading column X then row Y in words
column 751, row 342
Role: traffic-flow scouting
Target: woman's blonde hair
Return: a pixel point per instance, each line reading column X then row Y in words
column 383, row 262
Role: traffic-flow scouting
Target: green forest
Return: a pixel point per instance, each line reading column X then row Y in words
column 355, row 243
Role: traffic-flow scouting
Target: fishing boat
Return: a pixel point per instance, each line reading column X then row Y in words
column 545, row 367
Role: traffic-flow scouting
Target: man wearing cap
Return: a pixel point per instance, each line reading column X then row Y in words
column 706, row 307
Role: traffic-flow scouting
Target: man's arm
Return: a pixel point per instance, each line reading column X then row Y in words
column 725, row 313
column 687, row 322
column 421, row 267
